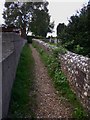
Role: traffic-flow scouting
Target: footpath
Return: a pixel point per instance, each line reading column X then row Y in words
column 49, row 104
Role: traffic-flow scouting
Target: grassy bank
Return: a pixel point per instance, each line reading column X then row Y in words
column 61, row 83
column 22, row 102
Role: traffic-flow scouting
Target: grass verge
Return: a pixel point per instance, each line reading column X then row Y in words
column 22, row 102
column 61, row 83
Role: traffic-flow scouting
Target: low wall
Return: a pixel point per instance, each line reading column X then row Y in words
column 47, row 47
column 12, row 45
column 77, row 69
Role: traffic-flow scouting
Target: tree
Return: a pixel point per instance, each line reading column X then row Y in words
column 23, row 15
column 17, row 14
column 88, row 17
column 40, row 24
column 60, row 28
column 75, row 36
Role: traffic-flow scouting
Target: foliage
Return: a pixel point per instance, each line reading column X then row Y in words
column 30, row 16
column 75, row 36
column 61, row 83
column 60, row 50
column 60, row 27
column 40, row 24
column 21, row 102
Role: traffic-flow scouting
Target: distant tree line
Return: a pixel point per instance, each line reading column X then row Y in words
column 28, row 16
column 76, row 35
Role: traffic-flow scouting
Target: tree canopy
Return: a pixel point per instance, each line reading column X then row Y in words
column 32, row 16
column 75, row 36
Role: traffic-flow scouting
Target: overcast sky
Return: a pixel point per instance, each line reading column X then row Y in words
column 60, row 10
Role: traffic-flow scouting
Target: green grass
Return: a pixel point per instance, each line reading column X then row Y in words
column 21, row 104
column 61, row 83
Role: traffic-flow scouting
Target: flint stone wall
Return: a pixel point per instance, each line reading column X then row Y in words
column 12, row 45
column 77, row 69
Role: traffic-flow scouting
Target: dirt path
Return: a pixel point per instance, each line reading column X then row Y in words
column 49, row 104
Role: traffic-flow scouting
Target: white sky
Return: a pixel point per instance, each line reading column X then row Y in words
column 60, row 10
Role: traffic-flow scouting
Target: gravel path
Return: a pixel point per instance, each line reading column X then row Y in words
column 49, row 104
